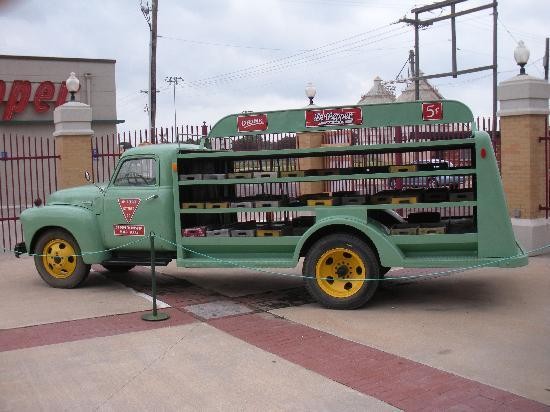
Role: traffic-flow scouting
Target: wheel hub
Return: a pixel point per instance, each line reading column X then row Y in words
column 59, row 258
column 340, row 272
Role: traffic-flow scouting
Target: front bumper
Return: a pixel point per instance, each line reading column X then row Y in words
column 20, row 249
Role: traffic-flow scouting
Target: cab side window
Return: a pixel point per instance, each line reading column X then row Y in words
column 137, row 172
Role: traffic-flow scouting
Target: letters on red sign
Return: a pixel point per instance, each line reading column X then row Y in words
column 2, row 90
column 252, row 123
column 334, row 117
column 432, row 111
column 19, row 97
column 128, row 208
column 129, row 230
column 45, row 91
column 62, row 96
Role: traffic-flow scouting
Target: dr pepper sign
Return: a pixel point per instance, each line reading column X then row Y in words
column 432, row 111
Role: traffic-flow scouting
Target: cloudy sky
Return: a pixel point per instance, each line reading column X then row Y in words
column 237, row 55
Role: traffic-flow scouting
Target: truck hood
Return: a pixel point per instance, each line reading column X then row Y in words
column 78, row 196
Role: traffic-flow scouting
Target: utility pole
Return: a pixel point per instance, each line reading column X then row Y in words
column 418, row 24
column 150, row 14
column 545, row 60
column 174, row 80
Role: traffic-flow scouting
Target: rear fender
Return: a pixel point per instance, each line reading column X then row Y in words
column 80, row 222
column 388, row 253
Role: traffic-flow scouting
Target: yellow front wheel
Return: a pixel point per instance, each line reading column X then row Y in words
column 58, row 261
column 341, row 271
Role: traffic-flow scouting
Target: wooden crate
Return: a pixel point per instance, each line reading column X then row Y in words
column 320, row 202
column 214, row 176
column 216, row 205
column 403, row 168
column 265, row 174
column 292, row 173
column 461, row 196
column 199, row 231
column 218, row 233
column 404, row 229
column 240, row 175
column 190, row 177
column 192, row 205
column 432, row 228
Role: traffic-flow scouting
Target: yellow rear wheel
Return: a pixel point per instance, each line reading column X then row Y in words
column 341, row 271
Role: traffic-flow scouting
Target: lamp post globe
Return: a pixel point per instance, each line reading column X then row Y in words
column 310, row 92
column 73, row 84
column 521, row 54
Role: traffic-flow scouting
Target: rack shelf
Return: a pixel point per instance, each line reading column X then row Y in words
column 313, row 208
column 447, row 172
column 327, row 151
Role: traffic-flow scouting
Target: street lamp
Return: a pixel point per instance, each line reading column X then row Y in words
column 73, row 84
column 521, row 54
column 310, row 92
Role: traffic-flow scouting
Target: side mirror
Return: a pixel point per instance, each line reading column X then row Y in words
column 89, row 179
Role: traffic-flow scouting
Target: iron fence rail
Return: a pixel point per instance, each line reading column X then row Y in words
column 27, row 176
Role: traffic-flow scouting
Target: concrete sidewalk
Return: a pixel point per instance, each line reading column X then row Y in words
column 474, row 341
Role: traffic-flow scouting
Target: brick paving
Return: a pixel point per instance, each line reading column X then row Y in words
column 60, row 332
column 400, row 382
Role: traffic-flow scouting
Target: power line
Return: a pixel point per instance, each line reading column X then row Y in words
column 282, row 59
column 220, row 44
column 309, row 58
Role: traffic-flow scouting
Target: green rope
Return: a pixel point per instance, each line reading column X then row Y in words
column 432, row 275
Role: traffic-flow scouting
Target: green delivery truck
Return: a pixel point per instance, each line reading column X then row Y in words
column 389, row 185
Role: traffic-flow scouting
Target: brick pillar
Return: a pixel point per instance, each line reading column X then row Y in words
column 308, row 140
column 73, row 134
column 523, row 111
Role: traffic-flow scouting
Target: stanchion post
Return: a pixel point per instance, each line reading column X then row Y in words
column 155, row 316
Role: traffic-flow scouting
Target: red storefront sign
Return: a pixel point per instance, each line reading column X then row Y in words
column 20, row 96
column 129, row 230
column 128, row 207
column 252, row 123
column 432, row 111
column 334, row 117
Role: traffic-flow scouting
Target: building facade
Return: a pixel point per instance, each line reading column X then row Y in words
column 31, row 87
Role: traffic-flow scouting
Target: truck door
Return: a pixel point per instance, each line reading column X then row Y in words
column 134, row 205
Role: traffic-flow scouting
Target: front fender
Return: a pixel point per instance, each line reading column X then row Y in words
column 388, row 253
column 80, row 222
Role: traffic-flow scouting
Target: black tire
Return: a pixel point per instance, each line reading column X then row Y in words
column 339, row 293
column 118, row 268
column 58, row 261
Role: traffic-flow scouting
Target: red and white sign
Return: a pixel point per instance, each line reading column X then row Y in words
column 252, row 123
column 20, row 96
column 129, row 230
column 334, row 117
column 432, row 111
column 128, row 207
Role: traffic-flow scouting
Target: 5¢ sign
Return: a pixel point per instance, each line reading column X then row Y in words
column 432, row 111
